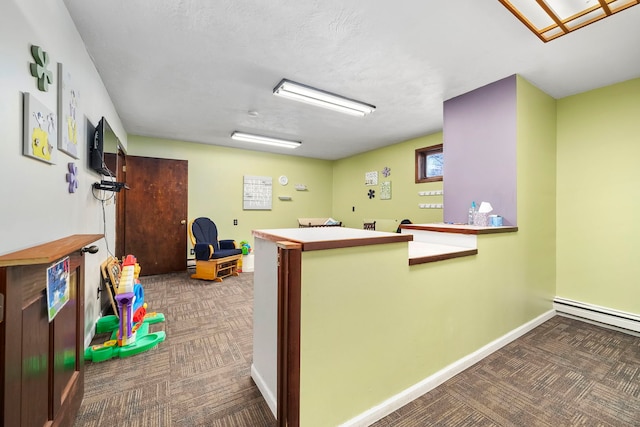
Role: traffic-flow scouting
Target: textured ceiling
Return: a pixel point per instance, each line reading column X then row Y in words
column 195, row 70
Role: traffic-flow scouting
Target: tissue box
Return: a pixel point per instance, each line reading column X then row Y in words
column 481, row 219
column 495, row 220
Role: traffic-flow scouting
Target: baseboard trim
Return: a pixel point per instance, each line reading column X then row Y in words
column 92, row 333
column 396, row 402
column 266, row 392
column 603, row 316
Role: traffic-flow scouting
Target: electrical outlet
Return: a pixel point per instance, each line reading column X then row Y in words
column 193, row 251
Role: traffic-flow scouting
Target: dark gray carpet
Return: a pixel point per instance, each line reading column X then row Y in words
column 563, row 373
column 199, row 376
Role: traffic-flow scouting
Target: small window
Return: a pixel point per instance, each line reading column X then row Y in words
column 429, row 161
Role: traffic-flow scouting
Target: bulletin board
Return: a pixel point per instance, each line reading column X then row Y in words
column 257, row 193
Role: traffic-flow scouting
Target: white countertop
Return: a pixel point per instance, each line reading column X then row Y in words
column 421, row 252
column 331, row 237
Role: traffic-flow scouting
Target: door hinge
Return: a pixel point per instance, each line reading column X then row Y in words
column 1, row 307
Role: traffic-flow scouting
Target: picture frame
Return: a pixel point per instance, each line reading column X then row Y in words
column 385, row 190
column 69, row 123
column 371, row 178
column 257, row 193
column 40, row 133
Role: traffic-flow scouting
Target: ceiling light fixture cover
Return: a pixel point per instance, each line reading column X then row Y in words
column 550, row 19
column 303, row 93
column 259, row 139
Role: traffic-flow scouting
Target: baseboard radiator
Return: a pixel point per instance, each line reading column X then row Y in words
column 597, row 314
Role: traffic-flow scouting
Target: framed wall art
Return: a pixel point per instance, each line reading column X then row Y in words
column 385, row 190
column 40, row 133
column 258, row 192
column 371, row 178
column 68, row 113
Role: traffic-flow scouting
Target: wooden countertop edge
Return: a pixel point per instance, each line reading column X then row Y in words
column 48, row 252
column 287, row 244
column 337, row 243
column 487, row 230
column 442, row 257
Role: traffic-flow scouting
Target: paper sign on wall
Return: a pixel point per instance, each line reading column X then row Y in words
column 57, row 287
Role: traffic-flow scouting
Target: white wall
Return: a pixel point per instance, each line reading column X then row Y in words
column 36, row 206
column 264, row 368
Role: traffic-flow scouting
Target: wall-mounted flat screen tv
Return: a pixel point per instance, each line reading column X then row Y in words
column 103, row 136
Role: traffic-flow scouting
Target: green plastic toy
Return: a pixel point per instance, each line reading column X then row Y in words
column 110, row 349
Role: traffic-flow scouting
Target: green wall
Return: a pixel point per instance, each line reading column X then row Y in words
column 370, row 333
column 216, row 184
column 598, row 197
column 536, row 188
column 350, row 191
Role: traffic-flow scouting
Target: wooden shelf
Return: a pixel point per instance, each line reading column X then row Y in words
column 459, row 228
column 422, row 253
column 321, row 238
column 48, row 252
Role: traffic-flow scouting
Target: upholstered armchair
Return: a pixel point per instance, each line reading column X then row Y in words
column 215, row 259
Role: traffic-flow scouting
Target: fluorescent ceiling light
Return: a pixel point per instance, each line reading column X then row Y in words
column 258, row 139
column 550, row 19
column 299, row 92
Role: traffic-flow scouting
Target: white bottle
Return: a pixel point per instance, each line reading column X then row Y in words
column 472, row 212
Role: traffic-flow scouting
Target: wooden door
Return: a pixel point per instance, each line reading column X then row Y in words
column 155, row 229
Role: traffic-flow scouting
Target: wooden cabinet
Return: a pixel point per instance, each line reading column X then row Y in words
column 42, row 362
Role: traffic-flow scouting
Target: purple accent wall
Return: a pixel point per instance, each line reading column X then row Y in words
column 479, row 148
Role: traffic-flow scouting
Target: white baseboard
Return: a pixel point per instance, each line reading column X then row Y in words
column 614, row 319
column 92, row 333
column 266, row 392
column 399, row 400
